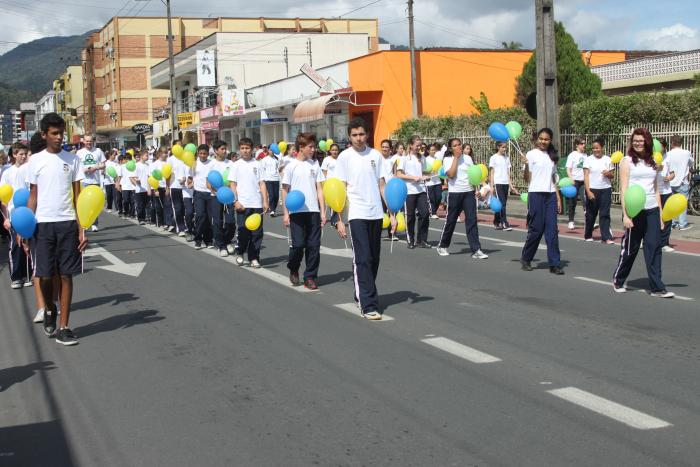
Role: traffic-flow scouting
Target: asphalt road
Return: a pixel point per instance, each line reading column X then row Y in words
column 200, row 362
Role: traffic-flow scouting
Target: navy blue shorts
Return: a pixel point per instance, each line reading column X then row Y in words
column 55, row 249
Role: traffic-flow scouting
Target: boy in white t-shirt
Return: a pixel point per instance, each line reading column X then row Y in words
column 410, row 170
column 54, row 176
column 271, row 174
column 92, row 162
column 305, row 175
column 142, row 191
column 223, row 218
column 248, row 186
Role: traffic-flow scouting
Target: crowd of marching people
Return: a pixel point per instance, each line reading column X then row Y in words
column 217, row 199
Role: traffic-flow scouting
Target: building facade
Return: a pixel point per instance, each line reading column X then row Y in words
column 117, row 62
column 46, row 104
column 68, row 92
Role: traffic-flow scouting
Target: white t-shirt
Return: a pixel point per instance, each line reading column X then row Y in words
column 88, row 158
column 285, row 160
column 107, row 180
column 221, row 166
column 362, row 172
column 329, row 163
column 412, row 165
column 174, row 177
column 679, row 161
column 644, row 176
column 460, row 182
column 303, row 176
column 501, row 169
column 575, row 162
column 542, row 168
column 271, row 168
column 201, row 171
column 54, row 174
column 16, row 177
column 247, row 176
column 388, row 165
column 157, row 164
column 184, row 172
column 435, row 178
column 596, row 166
column 142, row 172
column 664, row 186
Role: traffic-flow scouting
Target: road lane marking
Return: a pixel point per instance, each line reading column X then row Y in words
column 610, row 409
column 499, row 241
column 631, row 289
column 341, row 252
column 352, row 308
column 460, row 350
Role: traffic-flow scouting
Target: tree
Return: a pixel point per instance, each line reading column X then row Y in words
column 512, row 45
column 576, row 81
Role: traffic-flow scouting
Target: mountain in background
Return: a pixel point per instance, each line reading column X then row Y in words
column 27, row 71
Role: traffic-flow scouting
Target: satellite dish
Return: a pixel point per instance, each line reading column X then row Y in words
column 531, row 105
column 106, row 107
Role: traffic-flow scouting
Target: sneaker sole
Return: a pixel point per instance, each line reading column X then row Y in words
column 67, row 343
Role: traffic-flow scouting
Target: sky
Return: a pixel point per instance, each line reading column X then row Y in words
column 594, row 24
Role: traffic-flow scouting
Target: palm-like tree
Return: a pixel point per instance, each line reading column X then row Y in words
column 512, row 45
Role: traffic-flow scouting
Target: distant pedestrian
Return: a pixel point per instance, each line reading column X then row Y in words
column 202, row 197
column 598, row 171
column 680, row 162
column 92, row 161
column 410, row 170
column 500, row 181
column 574, row 170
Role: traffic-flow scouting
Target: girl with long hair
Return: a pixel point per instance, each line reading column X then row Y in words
column 598, row 170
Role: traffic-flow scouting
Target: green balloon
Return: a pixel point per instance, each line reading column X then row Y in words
column 657, row 146
column 523, row 197
column 111, row 171
column 191, row 148
column 635, row 198
column 515, row 129
column 157, row 174
column 474, row 174
column 225, row 176
column 322, row 145
column 566, row 181
column 131, row 166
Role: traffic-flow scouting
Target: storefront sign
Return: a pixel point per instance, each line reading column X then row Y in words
column 142, row 128
column 185, row 119
column 209, row 112
column 272, row 117
column 206, row 126
column 313, row 75
column 206, row 68
column 232, row 102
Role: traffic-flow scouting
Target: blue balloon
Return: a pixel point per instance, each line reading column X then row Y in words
column 442, row 173
column 498, row 131
column 395, row 193
column 496, row 205
column 215, row 179
column 569, row 191
column 275, row 148
column 21, row 198
column 23, row 221
column 294, row 200
column 225, row 195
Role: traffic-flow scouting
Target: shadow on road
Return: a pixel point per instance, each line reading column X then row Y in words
column 329, row 279
column 18, row 374
column 387, row 300
column 35, row 444
column 116, row 322
column 116, row 299
column 643, row 283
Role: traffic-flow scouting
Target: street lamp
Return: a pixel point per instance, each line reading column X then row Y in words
column 171, row 62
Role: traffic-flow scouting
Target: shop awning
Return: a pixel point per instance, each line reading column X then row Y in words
column 312, row 110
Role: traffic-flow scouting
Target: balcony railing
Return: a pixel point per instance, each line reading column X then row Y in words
column 658, row 65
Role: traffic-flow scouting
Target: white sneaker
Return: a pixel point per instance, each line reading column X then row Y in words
column 39, row 317
column 239, row 260
column 372, row 316
column 620, row 289
column 255, row 264
column 109, row 210
column 231, row 250
column 434, row 216
column 589, row 239
column 223, row 253
column 16, row 284
column 28, row 283
column 480, row 255
column 394, row 238
column 443, row 252
column 571, row 226
column 668, row 249
column 181, row 234
column 663, row 294
column 595, row 226
column 94, row 229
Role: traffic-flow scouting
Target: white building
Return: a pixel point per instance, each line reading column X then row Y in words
column 46, row 104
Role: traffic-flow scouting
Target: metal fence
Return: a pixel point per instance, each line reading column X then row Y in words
column 484, row 146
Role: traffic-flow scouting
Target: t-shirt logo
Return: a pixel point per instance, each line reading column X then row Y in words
column 373, row 163
column 66, row 168
column 580, row 163
column 255, row 171
column 89, row 159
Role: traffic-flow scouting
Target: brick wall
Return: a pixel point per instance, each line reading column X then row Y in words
column 159, row 46
column 132, row 46
column 135, row 109
column 189, row 40
column 133, row 78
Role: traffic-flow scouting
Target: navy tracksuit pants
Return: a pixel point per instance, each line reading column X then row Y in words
column 249, row 242
column 647, row 227
column 600, row 206
column 456, row 204
column 417, row 206
column 366, row 237
column 178, row 209
column 666, row 232
column 18, row 260
column 542, row 220
column 305, row 230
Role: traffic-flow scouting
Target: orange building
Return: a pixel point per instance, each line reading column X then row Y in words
column 446, row 80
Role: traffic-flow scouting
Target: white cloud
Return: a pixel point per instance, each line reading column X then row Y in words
column 675, row 37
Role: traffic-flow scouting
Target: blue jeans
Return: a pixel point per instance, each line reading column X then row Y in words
column 684, row 189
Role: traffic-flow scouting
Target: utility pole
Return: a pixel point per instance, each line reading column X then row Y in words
column 547, row 86
column 412, row 47
column 286, row 60
column 308, row 51
column 171, row 61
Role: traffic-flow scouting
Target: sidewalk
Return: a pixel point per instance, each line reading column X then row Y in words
column 687, row 241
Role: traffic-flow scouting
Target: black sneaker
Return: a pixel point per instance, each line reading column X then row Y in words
column 525, row 265
column 556, row 270
column 198, row 245
column 50, row 322
column 189, row 237
column 66, row 337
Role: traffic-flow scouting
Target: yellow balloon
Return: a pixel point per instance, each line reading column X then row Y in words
column 6, row 192
column 283, row 146
column 152, row 182
column 130, row 152
column 253, row 222
column 400, row 222
column 188, row 158
column 334, row 193
column 437, row 163
column 386, row 222
column 658, row 158
column 91, row 201
column 329, row 142
column 675, row 205
column 616, row 157
column 177, row 151
column 167, row 170
column 484, row 172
